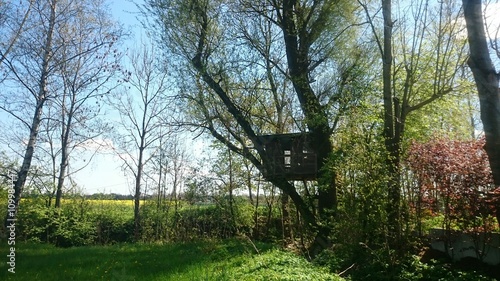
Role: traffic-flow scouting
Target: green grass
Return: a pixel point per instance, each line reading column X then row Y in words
column 225, row 260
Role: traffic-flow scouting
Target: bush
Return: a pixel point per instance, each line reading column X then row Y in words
column 375, row 265
column 63, row 227
column 70, row 231
column 34, row 223
column 74, row 224
column 203, row 222
column 413, row 269
column 84, row 222
column 209, row 221
column 112, row 228
column 340, row 257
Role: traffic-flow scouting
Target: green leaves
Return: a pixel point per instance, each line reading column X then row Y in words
column 280, row 265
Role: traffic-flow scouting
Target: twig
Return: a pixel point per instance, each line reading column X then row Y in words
column 251, row 242
column 341, row 273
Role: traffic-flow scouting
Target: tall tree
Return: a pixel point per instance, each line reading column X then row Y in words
column 426, row 51
column 142, row 124
column 234, row 97
column 89, row 61
column 37, row 50
column 487, row 82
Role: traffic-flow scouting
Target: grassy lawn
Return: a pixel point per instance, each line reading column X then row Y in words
column 226, row 260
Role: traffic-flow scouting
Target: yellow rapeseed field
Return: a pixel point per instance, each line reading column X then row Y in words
column 111, row 202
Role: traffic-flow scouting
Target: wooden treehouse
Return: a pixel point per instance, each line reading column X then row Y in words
column 292, row 157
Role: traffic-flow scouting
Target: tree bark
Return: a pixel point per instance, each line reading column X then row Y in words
column 316, row 118
column 285, row 218
column 137, row 193
column 487, row 83
column 393, row 130
column 65, row 135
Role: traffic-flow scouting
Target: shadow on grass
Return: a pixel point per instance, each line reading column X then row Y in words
column 119, row 262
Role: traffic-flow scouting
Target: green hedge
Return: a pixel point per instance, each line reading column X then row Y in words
column 79, row 222
column 74, row 224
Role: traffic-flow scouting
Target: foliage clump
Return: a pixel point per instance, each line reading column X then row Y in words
column 454, row 179
column 280, row 265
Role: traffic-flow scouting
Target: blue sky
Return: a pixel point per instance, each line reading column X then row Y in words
column 104, row 173
column 125, row 12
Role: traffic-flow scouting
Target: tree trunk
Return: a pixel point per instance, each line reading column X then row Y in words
column 256, row 213
column 487, row 83
column 392, row 130
column 298, row 60
column 297, row 53
column 61, row 177
column 231, row 188
column 22, row 174
column 63, row 166
column 285, row 218
column 249, row 182
column 42, row 96
column 137, row 194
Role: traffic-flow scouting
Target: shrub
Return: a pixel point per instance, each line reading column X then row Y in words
column 455, row 180
column 74, row 224
column 70, row 231
column 113, row 228
column 203, row 222
column 35, row 222
column 64, row 227
column 365, row 264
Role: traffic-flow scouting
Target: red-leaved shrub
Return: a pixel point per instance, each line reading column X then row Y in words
column 455, row 179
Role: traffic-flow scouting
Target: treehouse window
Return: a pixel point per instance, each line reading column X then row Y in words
column 288, row 158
